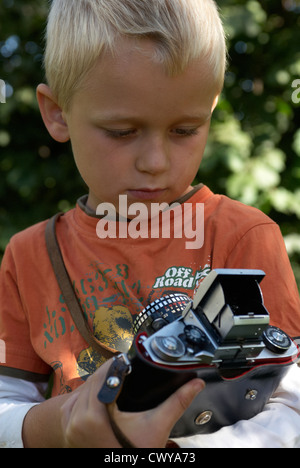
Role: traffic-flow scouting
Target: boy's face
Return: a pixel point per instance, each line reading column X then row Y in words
column 136, row 131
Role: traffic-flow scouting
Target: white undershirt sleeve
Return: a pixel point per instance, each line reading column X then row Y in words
column 17, row 397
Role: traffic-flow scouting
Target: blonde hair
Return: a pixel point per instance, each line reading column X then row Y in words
column 79, row 31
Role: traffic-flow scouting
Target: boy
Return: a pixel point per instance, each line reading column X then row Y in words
column 133, row 85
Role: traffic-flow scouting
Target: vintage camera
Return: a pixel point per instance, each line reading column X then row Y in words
column 224, row 337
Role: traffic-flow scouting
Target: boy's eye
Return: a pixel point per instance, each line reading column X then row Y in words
column 181, row 132
column 119, row 133
column 185, row 132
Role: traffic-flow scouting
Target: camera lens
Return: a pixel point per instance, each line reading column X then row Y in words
column 276, row 340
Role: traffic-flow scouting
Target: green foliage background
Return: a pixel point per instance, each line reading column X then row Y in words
column 254, row 148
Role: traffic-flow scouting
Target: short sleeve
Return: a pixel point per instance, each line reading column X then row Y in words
column 19, row 359
column 263, row 247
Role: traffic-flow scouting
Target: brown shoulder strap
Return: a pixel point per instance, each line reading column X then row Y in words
column 68, row 292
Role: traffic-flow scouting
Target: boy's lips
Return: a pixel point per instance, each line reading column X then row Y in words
column 146, row 193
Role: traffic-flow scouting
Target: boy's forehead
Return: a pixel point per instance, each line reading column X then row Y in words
column 137, row 60
column 132, row 76
column 140, row 56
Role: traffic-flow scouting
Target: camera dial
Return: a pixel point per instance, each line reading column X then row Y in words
column 161, row 312
column 169, row 348
column 194, row 335
column 276, row 340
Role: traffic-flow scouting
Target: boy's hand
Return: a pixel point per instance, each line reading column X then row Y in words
column 85, row 422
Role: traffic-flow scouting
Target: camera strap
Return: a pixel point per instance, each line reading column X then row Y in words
column 120, row 367
column 110, row 392
column 68, row 292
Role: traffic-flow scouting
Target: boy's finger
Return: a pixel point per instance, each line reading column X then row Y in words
column 178, row 403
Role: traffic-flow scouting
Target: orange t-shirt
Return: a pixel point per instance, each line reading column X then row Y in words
column 116, row 278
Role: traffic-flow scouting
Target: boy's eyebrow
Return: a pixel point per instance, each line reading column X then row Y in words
column 199, row 117
column 119, row 118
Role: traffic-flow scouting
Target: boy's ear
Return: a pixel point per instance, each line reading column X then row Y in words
column 52, row 114
column 216, row 101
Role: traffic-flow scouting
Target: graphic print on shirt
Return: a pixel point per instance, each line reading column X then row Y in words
column 181, row 277
column 112, row 326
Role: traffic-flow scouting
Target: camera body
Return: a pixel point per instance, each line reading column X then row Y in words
column 222, row 336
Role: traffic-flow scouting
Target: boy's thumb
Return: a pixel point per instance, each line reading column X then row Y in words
column 178, row 403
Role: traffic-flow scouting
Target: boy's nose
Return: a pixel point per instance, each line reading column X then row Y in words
column 153, row 157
